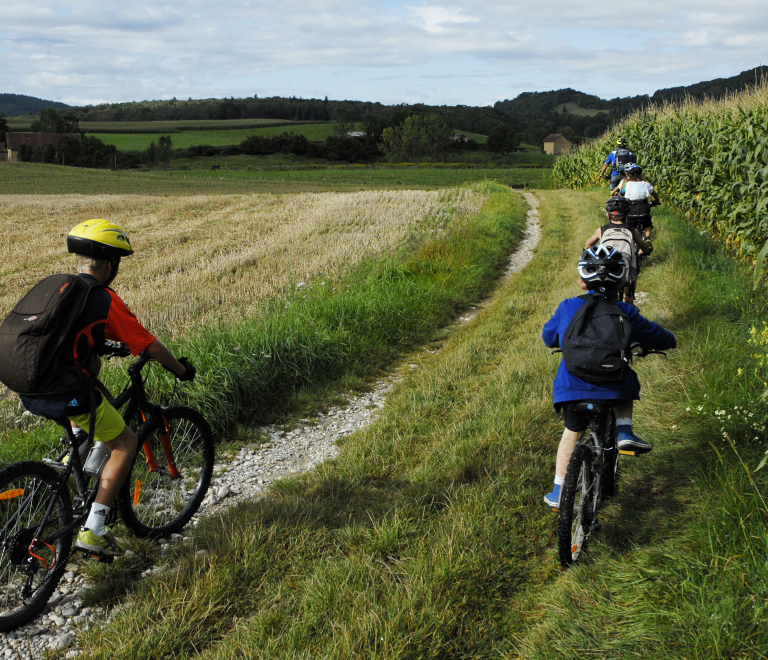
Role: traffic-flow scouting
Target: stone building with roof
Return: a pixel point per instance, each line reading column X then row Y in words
column 557, row 144
column 14, row 141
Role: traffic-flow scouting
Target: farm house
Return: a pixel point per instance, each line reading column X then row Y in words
column 557, row 144
column 14, row 141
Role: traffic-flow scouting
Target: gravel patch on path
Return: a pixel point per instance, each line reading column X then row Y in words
column 244, row 475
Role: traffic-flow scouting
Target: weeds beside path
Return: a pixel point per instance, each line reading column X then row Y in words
column 427, row 537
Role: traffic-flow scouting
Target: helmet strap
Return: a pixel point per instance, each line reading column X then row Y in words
column 114, row 262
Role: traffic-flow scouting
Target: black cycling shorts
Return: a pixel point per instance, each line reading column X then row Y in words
column 579, row 421
column 644, row 221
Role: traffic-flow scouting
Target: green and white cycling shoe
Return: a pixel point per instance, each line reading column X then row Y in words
column 104, row 545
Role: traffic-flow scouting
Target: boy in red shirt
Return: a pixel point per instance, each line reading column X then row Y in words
column 99, row 246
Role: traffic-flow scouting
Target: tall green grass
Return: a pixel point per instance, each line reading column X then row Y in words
column 427, row 537
column 708, row 159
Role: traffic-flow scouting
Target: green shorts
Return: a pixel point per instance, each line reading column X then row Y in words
column 108, row 425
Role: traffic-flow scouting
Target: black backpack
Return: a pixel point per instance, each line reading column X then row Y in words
column 34, row 335
column 596, row 342
column 623, row 158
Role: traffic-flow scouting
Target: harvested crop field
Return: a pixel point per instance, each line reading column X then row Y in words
column 203, row 258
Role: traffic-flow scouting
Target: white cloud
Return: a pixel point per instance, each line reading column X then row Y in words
column 131, row 51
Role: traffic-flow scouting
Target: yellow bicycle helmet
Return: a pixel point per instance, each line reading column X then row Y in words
column 100, row 239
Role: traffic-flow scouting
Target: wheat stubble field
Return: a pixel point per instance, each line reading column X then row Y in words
column 204, row 258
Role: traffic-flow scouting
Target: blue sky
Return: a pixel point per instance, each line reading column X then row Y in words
column 472, row 53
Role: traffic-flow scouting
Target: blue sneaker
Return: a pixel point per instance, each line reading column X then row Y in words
column 553, row 499
column 626, row 440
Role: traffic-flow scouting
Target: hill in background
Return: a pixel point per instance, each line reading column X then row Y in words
column 714, row 89
column 571, row 101
column 13, row 105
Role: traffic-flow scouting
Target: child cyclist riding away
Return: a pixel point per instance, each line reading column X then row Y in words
column 618, row 160
column 619, row 235
column 99, row 246
column 601, row 272
column 638, row 191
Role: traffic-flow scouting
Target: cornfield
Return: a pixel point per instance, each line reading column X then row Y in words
column 708, row 159
column 203, row 258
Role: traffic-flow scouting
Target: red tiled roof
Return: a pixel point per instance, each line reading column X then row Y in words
column 15, row 140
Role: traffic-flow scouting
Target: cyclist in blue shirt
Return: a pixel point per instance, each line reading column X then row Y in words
column 601, row 271
column 618, row 160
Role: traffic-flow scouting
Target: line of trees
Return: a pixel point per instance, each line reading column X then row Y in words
column 528, row 126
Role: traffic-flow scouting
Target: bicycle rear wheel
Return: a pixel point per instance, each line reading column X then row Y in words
column 576, row 507
column 159, row 495
column 27, row 582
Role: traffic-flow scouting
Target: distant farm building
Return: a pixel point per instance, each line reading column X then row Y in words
column 14, row 141
column 557, row 144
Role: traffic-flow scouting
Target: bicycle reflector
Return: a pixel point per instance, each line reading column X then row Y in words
column 10, row 494
column 137, row 493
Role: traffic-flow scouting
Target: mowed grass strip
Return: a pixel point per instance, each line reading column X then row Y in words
column 427, row 536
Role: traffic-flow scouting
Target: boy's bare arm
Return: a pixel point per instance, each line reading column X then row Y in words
column 594, row 238
column 639, row 240
column 160, row 353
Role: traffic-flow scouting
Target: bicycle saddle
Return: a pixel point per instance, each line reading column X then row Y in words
column 598, row 408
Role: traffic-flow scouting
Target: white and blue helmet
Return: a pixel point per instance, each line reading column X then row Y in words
column 602, row 268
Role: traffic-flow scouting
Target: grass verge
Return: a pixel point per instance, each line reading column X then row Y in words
column 427, row 536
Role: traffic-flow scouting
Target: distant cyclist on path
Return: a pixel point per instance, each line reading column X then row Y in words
column 618, row 160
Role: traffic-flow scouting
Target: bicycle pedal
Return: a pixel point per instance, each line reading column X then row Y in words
column 554, row 509
column 96, row 556
column 624, row 452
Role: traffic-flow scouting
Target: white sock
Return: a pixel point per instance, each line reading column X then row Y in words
column 559, row 481
column 97, row 517
column 76, row 428
column 623, row 421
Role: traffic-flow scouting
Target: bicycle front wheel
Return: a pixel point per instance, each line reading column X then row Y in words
column 576, row 507
column 30, row 572
column 170, row 475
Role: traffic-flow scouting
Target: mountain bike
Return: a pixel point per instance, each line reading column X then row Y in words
column 43, row 503
column 592, row 476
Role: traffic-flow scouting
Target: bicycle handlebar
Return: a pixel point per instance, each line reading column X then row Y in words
column 113, row 349
column 644, row 350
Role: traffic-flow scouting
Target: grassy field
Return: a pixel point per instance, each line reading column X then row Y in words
column 34, row 179
column 125, row 141
column 161, row 127
column 576, row 109
column 427, row 536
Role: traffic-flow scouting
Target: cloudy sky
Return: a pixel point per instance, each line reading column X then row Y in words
column 473, row 53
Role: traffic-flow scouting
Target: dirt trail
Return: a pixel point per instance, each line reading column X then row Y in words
column 245, row 475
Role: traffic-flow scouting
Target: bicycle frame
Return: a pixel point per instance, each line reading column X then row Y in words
column 135, row 396
column 593, row 440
